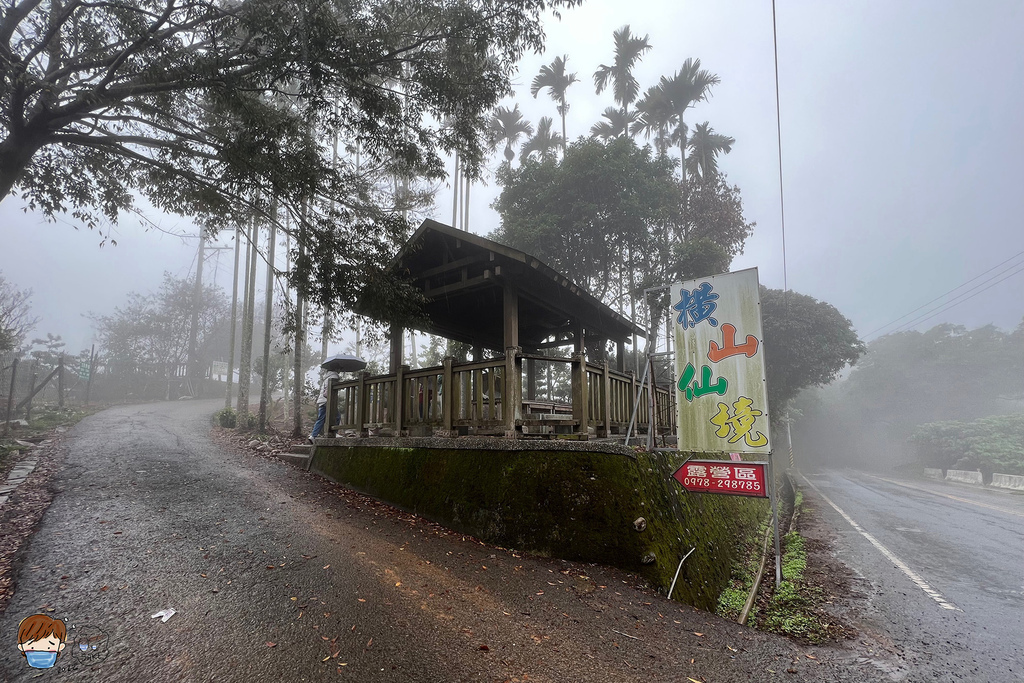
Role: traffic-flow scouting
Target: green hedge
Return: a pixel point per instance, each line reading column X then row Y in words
column 576, row 505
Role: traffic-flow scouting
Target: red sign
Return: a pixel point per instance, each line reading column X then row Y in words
column 723, row 476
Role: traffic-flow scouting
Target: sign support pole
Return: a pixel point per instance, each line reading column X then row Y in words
column 775, row 520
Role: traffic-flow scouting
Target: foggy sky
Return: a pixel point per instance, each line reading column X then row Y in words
column 902, row 147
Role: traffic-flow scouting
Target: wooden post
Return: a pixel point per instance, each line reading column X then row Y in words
column 60, row 382
column 31, row 393
column 361, row 402
column 331, row 408
column 531, row 379
column 620, row 356
column 88, row 382
column 511, row 314
column 606, row 407
column 579, row 393
column 512, row 396
column 447, row 397
column 400, row 397
column 10, row 398
column 397, row 350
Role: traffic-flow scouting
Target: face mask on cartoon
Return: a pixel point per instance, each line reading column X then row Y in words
column 41, row 659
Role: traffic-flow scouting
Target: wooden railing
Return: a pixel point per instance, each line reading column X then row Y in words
column 486, row 397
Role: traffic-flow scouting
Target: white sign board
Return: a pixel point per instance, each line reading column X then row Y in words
column 219, row 368
column 721, row 391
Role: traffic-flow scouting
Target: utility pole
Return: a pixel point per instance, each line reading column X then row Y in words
column 234, row 319
column 193, row 331
column 268, row 314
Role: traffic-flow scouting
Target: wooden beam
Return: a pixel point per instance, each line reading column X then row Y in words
column 449, row 267
column 510, row 297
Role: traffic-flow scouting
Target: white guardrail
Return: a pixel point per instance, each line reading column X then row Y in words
column 1000, row 481
column 1008, row 481
column 965, row 477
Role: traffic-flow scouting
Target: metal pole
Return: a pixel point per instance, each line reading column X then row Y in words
column 10, row 397
column 775, row 522
column 789, row 440
column 673, row 586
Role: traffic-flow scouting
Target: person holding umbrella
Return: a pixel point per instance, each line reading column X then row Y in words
column 334, row 366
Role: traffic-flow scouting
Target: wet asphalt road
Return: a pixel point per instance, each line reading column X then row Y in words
column 964, row 547
column 279, row 575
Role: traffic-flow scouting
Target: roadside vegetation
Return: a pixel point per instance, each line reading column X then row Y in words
column 797, row 607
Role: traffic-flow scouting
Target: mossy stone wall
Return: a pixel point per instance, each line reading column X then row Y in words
column 573, row 504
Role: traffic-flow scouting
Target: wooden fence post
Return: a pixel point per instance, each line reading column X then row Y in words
column 400, row 398
column 447, row 395
column 606, row 407
column 580, row 412
column 512, row 396
column 361, row 403
column 60, row 382
column 10, row 398
column 31, row 392
column 331, row 407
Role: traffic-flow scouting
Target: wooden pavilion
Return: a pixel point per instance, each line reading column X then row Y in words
column 494, row 297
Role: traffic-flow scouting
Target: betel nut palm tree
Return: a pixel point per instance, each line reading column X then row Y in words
column 616, row 123
column 629, row 49
column 507, row 126
column 544, row 143
column 553, row 77
column 705, row 145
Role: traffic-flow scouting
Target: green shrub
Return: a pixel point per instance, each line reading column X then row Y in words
column 226, row 418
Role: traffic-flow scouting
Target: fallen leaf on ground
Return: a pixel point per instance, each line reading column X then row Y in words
column 699, row 635
column 484, row 648
column 270, row 644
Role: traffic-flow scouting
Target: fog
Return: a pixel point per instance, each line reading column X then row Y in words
column 902, row 159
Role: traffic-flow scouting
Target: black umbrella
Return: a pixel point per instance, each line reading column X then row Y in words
column 344, row 362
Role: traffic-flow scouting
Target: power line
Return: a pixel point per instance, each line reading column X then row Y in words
column 944, row 295
column 778, row 123
column 953, row 303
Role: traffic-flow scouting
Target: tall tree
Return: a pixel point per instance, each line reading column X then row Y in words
column 629, row 50
column 553, row 76
column 616, row 123
column 507, row 126
column 705, row 146
column 169, row 99
column 16, row 317
column 600, row 206
column 688, row 86
column 544, row 143
column 807, row 343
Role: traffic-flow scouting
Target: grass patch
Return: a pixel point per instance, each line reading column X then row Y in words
column 791, row 608
column 744, row 567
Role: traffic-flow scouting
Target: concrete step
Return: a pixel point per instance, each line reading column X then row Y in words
column 305, row 448
column 297, row 459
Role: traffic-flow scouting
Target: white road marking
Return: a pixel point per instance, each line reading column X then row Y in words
column 914, row 576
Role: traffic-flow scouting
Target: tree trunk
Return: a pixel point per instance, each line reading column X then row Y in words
column 245, row 365
column 267, row 319
column 234, row 319
column 300, row 336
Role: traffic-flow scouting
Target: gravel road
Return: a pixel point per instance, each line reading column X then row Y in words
column 279, row 575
